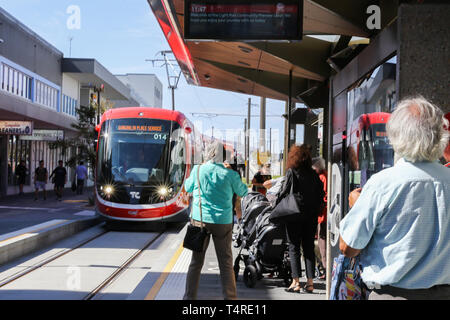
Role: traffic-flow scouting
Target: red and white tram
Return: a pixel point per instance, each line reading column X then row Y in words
column 144, row 156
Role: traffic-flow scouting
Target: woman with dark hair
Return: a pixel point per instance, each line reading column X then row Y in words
column 301, row 228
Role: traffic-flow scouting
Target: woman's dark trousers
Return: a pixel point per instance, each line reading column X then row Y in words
column 301, row 233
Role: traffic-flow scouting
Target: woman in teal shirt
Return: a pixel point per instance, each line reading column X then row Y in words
column 217, row 186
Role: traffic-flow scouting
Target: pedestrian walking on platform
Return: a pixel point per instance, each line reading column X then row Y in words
column 217, row 186
column 40, row 180
column 81, row 174
column 260, row 177
column 318, row 165
column 21, row 174
column 302, row 227
column 399, row 222
column 232, row 164
column 60, row 179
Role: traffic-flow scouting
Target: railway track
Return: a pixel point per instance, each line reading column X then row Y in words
column 123, row 267
column 98, row 289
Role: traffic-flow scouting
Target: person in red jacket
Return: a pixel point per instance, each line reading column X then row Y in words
column 318, row 165
column 447, row 150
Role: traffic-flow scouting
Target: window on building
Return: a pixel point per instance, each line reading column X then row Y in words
column 69, row 105
column 46, row 95
column 15, row 82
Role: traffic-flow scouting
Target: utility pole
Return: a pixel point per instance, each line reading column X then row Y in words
column 270, row 142
column 99, row 108
column 99, row 101
column 245, row 146
column 262, row 125
column 289, row 110
column 247, row 138
column 172, row 80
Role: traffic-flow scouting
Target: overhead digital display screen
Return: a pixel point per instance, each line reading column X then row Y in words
column 243, row 20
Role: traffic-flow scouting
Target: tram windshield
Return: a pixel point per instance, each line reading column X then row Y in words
column 140, row 153
column 383, row 152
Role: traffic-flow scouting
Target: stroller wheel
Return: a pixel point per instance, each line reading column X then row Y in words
column 250, row 276
column 236, row 267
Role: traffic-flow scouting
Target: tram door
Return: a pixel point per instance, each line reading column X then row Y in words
column 336, row 194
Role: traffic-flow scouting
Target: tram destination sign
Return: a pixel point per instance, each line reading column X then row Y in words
column 232, row 20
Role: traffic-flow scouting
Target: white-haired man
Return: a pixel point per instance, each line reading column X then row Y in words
column 400, row 224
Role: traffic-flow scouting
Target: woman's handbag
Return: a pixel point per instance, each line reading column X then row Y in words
column 346, row 282
column 195, row 236
column 289, row 207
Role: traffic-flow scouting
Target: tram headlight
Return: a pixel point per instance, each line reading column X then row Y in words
column 163, row 191
column 108, row 190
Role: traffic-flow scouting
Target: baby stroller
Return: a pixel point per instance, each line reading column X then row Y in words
column 267, row 254
column 251, row 205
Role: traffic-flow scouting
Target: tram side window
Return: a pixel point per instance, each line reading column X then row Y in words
column 177, row 162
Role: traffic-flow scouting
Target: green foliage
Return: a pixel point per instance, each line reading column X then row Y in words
column 84, row 141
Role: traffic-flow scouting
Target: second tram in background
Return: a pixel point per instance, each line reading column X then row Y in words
column 144, row 156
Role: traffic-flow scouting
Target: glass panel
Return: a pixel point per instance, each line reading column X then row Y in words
column 369, row 107
column 38, row 92
column 54, row 104
column 10, row 80
column 3, row 76
column 50, row 98
column 10, row 159
column 14, row 82
column 20, row 85
column 45, row 95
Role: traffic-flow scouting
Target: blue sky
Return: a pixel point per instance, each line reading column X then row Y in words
column 121, row 35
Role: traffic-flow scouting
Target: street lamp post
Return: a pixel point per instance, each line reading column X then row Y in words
column 99, row 108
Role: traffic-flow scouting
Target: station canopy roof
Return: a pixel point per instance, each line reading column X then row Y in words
column 334, row 32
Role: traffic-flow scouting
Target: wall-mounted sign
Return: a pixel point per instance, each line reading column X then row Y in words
column 45, row 135
column 241, row 20
column 16, row 127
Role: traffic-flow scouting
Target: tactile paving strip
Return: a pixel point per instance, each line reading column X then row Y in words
column 173, row 287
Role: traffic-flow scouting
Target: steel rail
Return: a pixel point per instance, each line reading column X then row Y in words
column 122, row 268
column 48, row 260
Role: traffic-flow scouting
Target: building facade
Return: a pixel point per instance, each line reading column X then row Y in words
column 39, row 96
column 144, row 88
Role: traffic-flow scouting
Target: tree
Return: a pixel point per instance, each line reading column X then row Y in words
column 84, row 142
